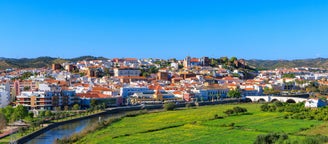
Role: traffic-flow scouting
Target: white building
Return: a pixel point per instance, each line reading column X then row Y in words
column 314, row 103
column 208, row 94
column 44, row 87
column 126, row 72
column 129, row 91
column 4, row 94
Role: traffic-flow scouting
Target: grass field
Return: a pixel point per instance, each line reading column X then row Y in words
column 198, row 126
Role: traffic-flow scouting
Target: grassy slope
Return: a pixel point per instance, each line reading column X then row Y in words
column 195, row 126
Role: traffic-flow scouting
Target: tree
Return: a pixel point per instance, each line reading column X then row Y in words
column 145, row 74
column 66, row 108
column 289, row 75
column 48, row 113
column 323, row 89
column 20, row 112
column 234, row 94
column 180, row 66
column 214, row 62
column 76, row 107
column 106, row 71
column 3, row 121
column 153, row 69
column 169, row 106
column 26, row 88
column 8, row 111
column 42, row 113
column 311, row 89
column 93, row 103
column 232, row 59
column 103, row 105
column 57, row 108
column 269, row 91
column 224, row 60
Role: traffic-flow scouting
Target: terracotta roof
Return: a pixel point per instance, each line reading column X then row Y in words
column 194, row 60
column 92, row 95
column 249, row 89
column 130, row 59
column 100, row 89
column 177, row 92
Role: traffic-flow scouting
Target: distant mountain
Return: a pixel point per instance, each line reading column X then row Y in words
column 86, row 58
column 258, row 64
column 273, row 64
column 39, row 62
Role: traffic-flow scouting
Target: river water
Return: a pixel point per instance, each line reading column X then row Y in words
column 65, row 130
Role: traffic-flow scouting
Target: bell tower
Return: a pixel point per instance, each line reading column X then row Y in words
column 158, row 96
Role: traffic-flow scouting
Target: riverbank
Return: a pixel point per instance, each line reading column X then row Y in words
column 112, row 111
column 32, row 135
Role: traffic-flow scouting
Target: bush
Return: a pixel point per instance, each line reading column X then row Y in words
column 169, row 106
column 318, row 139
column 229, row 112
column 271, row 138
column 216, row 116
column 265, row 107
column 278, row 104
column 231, row 125
column 228, row 125
column 239, row 110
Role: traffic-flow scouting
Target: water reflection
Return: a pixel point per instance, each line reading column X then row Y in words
column 64, row 130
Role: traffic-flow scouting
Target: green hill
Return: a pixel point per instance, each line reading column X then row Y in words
column 259, row 64
column 273, row 64
column 39, row 62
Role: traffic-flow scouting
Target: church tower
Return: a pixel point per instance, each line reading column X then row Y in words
column 158, row 96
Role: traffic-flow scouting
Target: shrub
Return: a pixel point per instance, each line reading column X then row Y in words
column 231, row 124
column 265, row 107
column 272, row 108
column 278, row 104
column 228, row 125
column 169, row 106
column 239, row 110
column 216, row 116
column 271, row 138
column 229, row 112
column 318, row 139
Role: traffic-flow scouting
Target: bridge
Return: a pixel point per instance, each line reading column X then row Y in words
column 275, row 98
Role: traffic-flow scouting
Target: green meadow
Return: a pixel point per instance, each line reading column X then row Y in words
column 198, row 125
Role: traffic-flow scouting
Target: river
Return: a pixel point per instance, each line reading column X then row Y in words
column 65, row 130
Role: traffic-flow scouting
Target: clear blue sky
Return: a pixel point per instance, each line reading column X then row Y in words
column 250, row 29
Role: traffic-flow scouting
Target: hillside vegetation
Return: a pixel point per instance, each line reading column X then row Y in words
column 273, row 64
column 259, row 64
column 39, row 62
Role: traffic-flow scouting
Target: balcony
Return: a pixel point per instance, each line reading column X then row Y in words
column 42, row 105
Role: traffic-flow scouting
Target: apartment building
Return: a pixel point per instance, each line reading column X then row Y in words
column 4, row 94
column 47, row 100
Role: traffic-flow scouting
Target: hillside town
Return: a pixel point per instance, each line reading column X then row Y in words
column 130, row 81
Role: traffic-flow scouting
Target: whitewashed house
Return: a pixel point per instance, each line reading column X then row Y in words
column 315, row 103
